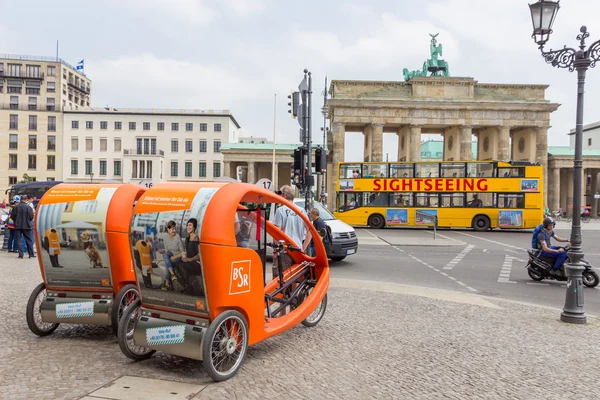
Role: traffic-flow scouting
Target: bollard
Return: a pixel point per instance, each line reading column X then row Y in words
column 435, row 222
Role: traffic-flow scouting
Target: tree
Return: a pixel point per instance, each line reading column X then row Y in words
column 27, row 178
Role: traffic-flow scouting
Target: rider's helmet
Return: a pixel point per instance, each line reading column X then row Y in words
column 549, row 221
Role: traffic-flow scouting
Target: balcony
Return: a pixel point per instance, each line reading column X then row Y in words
column 79, row 87
column 29, row 107
column 140, row 152
column 22, row 75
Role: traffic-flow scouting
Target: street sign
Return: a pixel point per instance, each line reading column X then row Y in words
column 597, row 196
column 265, row 183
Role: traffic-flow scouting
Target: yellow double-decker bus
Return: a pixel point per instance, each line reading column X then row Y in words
column 477, row 194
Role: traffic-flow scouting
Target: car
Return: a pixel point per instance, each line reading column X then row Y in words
column 3, row 219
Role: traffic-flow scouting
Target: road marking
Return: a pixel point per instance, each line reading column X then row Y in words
column 372, row 234
column 437, row 270
column 538, row 284
column 459, row 257
column 504, row 276
column 492, row 241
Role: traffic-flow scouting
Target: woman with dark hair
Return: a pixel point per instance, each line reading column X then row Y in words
column 190, row 265
column 172, row 253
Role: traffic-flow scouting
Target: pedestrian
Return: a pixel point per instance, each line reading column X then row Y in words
column 10, row 225
column 23, row 217
column 3, row 205
column 319, row 224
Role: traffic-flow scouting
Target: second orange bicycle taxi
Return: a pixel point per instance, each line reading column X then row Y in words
column 215, row 301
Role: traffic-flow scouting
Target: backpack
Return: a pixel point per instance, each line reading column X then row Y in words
column 536, row 232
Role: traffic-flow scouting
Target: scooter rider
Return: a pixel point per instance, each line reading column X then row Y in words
column 547, row 250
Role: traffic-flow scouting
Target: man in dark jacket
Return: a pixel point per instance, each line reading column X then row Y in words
column 22, row 215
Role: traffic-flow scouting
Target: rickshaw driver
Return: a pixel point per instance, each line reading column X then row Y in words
column 293, row 226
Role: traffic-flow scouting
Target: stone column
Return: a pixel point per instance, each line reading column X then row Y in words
column 466, row 143
column 594, row 189
column 403, row 144
column 554, row 198
column 376, row 142
column 503, row 143
column 251, row 172
column 541, row 155
column 227, row 169
column 368, row 140
column 275, row 183
column 563, row 189
column 415, row 143
column 339, row 144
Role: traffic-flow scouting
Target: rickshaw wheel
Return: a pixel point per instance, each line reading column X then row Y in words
column 316, row 316
column 225, row 345
column 126, row 326
column 34, row 317
column 127, row 295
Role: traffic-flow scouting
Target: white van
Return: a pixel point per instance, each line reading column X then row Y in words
column 344, row 241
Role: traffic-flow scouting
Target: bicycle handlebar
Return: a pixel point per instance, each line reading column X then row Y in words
column 283, row 246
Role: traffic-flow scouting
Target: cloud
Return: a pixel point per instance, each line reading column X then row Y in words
column 8, row 39
column 245, row 8
column 190, row 11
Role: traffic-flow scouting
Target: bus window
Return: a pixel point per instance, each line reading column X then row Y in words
column 376, row 199
column 375, row 171
column 349, row 201
column 453, row 200
column 349, row 171
column 482, row 169
column 401, row 200
column 454, row 170
column 401, row 170
column 511, row 200
column 427, row 200
column 511, row 172
column 426, row 170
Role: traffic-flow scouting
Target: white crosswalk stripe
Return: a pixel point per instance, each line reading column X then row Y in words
column 504, row 276
column 459, row 257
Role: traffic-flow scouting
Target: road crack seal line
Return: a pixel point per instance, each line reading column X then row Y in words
column 437, row 270
column 459, row 257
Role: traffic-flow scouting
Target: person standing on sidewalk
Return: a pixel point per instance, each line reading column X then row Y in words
column 23, row 216
column 10, row 225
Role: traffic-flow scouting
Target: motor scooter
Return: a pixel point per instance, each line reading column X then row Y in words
column 540, row 268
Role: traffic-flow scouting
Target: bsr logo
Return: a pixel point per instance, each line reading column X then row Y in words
column 240, row 277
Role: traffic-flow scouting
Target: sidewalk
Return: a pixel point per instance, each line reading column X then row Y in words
column 376, row 340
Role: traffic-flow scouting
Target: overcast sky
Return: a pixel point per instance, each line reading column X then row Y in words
column 237, row 54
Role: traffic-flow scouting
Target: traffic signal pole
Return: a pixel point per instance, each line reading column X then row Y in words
column 308, row 182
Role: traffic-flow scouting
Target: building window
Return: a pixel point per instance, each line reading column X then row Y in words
column 174, row 168
column 52, row 143
column 103, row 125
column 102, row 167
column 132, row 126
column 32, row 161
column 146, row 146
column 89, row 124
column 74, row 167
column 32, row 105
column 51, row 87
column 174, row 146
column 174, row 126
column 160, row 126
column 117, row 145
column 142, row 169
column 14, row 121
column 32, row 142
column 217, row 127
column 12, row 161
column 117, row 167
column 189, row 147
column 50, row 179
column 12, row 180
column 14, row 86
column 134, row 171
column 146, row 126
column 74, row 124
column 51, row 164
column 188, row 169
column 74, row 144
column 589, row 141
column 51, row 124
column 103, row 144
column 203, row 127
column 13, row 141
column 203, row 146
column 31, row 90
column 50, row 104
column 89, row 144
column 202, row 170
column 33, row 122
column 33, row 71
column 189, row 126
column 216, row 170
column 152, row 146
column 51, row 70
column 117, row 126
column 139, row 146
column 217, row 146
column 15, row 70
column 14, row 102
column 88, row 167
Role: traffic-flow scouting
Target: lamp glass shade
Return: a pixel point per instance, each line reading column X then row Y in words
column 543, row 14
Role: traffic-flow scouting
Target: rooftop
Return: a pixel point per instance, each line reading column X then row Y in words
column 589, row 127
column 567, row 151
column 40, row 59
column 263, row 146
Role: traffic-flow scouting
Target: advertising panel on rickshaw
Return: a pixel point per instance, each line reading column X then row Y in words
column 71, row 232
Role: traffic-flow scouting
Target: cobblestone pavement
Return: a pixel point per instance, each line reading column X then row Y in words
column 370, row 344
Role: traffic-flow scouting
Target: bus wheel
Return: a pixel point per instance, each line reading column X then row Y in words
column 481, row 223
column 376, row 221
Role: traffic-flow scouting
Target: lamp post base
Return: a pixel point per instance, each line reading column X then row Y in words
column 573, row 309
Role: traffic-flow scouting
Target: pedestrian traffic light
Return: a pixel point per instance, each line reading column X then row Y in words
column 320, row 160
column 294, row 103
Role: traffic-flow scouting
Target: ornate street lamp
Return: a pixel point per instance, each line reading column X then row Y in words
column 543, row 14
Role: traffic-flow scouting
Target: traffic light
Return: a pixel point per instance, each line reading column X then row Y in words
column 298, row 160
column 294, row 103
column 320, row 160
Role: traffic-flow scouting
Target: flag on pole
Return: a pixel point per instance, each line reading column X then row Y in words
column 79, row 65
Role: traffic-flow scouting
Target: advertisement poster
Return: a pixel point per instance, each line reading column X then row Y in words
column 425, row 217
column 347, row 184
column 529, row 185
column 510, row 218
column 394, row 217
column 72, row 237
column 167, row 273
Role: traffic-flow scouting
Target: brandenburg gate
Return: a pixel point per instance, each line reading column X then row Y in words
column 509, row 121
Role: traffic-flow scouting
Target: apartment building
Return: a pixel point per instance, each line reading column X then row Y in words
column 33, row 92
column 137, row 145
